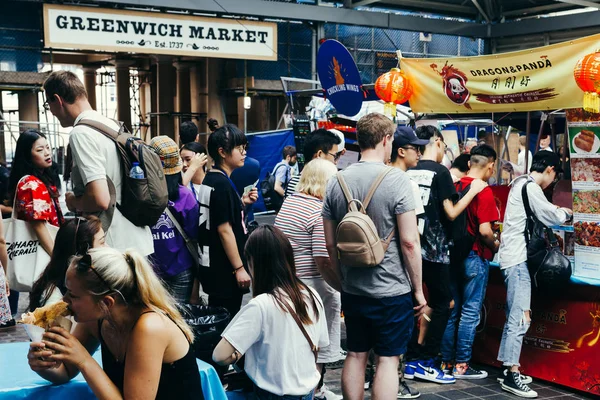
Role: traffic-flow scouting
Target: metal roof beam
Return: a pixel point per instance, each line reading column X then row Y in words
column 542, row 25
column 303, row 12
column 433, row 5
column 582, row 3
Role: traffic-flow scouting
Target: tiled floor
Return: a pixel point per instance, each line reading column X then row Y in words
column 486, row 389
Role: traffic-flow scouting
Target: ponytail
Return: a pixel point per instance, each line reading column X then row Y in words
column 153, row 294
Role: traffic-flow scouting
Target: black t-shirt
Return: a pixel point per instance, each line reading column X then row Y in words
column 219, row 204
column 435, row 184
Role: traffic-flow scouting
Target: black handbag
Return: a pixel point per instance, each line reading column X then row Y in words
column 550, row 270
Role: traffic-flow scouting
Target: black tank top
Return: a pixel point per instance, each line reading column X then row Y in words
column 178, row 380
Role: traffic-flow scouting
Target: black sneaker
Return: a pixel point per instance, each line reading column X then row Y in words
column 405, row 391
column 468, row 372
column 7, row 326
column 369, row 375
column 513, row 384
column 526, row 379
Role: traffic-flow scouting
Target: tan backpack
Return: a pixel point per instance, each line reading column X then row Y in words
column 358, row 242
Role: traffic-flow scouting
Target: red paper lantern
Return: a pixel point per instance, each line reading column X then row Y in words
column 587, row 76
column 393, row 87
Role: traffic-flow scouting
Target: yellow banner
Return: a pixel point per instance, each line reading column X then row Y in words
column 527, row 80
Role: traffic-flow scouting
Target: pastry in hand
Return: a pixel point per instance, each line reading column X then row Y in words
column 47, row 316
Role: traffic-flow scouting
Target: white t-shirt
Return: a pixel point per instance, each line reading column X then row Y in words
column 278, row 356
column 419, row 209
column 95, row 157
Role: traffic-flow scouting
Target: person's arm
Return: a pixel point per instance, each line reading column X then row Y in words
column 328, row 273
column 43, row 235
column 95, row 198
column 546, row 212
column 281, row 174
column 487, row 237
column 229, row 243
column 454, row 210
column 279, row 188
column 410, row 246
column 61, row 371
column 331, row 272
column 197, row 163
column 225, row 353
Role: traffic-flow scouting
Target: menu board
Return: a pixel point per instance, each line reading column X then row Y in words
column 584, row 148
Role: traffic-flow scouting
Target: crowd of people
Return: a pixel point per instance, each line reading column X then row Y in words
column 440, row 229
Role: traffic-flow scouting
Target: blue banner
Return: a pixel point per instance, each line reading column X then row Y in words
column 339, row 77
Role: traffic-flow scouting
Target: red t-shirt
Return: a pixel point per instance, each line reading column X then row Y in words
column 481, row 210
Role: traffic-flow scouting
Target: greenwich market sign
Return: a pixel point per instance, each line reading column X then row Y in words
column 85, row 28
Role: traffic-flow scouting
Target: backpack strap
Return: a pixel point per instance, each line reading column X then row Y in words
column 110, row 133
column 365, row 203
column 529, row 215
column 347, row 194
column 313, row 348
column 190, row 244
column 374, row 186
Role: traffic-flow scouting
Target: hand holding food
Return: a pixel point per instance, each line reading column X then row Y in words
column 48, row 316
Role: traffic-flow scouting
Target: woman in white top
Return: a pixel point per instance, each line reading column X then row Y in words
column 279, row 358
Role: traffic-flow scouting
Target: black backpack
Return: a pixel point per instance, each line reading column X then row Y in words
column 463, row 240
column 271, row 198
column 550, row 270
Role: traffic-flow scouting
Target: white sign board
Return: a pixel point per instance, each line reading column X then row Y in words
column 86, row 28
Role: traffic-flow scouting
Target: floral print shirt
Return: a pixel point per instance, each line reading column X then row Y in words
column 34, row 202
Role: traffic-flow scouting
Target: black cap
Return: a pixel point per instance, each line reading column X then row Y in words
column 549, row 159
column 405, row 135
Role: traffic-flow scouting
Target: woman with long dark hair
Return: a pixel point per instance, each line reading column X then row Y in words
column 280, row 359
column 74, row 238
column 172, row 259
column 34, row 186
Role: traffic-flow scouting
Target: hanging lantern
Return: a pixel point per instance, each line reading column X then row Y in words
column 394, row 88
column 587, row 76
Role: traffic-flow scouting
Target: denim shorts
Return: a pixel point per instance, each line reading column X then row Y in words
column 384, row 325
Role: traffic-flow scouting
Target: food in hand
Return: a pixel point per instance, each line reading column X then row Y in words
column 48, row 316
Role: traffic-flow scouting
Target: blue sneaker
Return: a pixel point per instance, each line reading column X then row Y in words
column 426, row 371
column 409, row 370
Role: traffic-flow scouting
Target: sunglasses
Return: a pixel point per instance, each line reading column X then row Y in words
column 79, row 219
column 85, row 263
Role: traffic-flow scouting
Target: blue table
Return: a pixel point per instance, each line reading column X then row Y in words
column 18, row 381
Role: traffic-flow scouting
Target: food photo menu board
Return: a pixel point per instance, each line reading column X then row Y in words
column 584, row 148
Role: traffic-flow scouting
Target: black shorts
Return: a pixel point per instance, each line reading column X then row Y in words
column 384, row 325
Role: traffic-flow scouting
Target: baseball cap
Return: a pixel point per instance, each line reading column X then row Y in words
column 341, row 136
column 168, row 152
column 406, row 135
column 549, row 159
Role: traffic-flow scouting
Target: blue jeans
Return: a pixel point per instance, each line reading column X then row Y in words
column 518, row 302
column 260, row 394
column 468, row 285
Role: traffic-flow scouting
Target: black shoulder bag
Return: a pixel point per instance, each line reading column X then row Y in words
column 550, row 270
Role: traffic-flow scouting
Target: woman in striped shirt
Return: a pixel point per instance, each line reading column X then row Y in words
column 300, row 220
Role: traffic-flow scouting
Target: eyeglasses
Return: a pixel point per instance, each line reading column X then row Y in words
column 242, row 148
column 412, row 148
column 336, row 156
column 85, row 263
column 79, row 219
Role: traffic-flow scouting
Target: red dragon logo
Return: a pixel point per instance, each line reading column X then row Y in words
column 454, row 84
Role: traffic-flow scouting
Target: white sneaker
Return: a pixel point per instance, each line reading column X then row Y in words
column 325, row 394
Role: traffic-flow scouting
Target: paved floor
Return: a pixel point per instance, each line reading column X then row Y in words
column 486, row 389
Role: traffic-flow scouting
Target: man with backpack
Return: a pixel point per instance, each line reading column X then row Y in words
column 379, row 271
column 96, row 162
column 474, row 245
column 438, row 195
column 283, row 170
column 545, row 167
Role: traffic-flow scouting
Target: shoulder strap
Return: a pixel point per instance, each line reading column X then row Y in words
column 346, row 191
column 313, row 348
column 190, row 244
column 528, row 213
column 100, row 127
column 374, row 186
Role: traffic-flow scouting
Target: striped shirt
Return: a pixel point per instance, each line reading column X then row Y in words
column 291, row 186
column 300, row 219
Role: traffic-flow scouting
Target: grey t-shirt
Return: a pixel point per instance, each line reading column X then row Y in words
column 393, row 197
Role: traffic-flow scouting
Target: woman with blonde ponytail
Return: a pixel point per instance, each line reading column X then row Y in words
column 120, row 305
